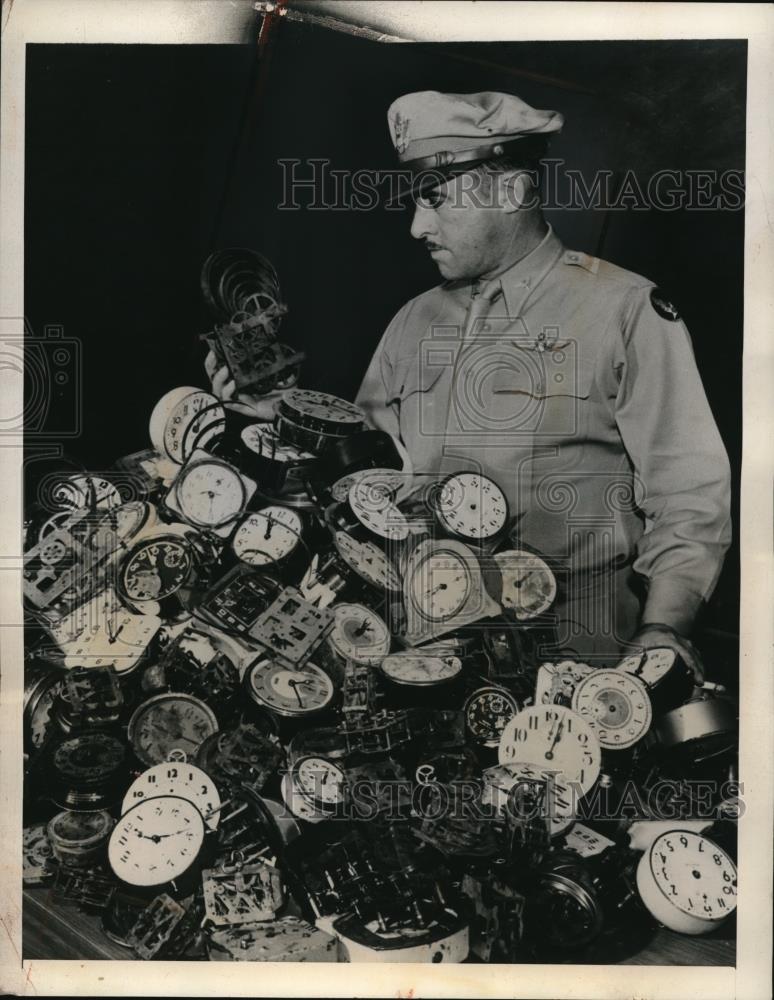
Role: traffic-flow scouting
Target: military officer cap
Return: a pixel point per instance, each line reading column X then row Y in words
column 440, row 135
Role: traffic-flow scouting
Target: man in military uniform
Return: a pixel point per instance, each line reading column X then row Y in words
column 568, row 380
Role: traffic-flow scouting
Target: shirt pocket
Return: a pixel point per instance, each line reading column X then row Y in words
column 546, row 394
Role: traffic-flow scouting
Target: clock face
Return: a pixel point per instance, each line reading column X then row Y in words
column 267, row 536
column 178, row 778
column 616, row 705
column 156, row 568
column 368, row 561
column 693, row 874
column 502, row 779
column 651, row 667
column 76, row 492
column 104, row 633
column 421, row 671
column 210, row 494
column 372, row 505
column 440, row 585
column 388, row 481
column 167, row 723
column 471, row 507
column 89, row 757
column 78, row 828
column 552, row 736
column 262, row 440
column 183, row 419
column 529, row 585
column 320, row 406
column 289, row 692
column 359, row 634
column 318, row 780
column 487, row 712
column 131, row 517
column 156, row 841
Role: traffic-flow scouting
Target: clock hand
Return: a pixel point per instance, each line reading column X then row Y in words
column 557, row 737
column 294, row 685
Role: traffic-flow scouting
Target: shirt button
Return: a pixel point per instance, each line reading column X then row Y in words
column 572, row 256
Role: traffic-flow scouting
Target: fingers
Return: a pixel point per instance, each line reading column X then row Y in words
column 210, row 364
column 222, row 384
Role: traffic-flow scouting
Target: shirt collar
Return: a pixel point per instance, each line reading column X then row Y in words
column 522, row 277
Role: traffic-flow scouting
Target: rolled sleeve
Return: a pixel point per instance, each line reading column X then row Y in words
column 683, row 474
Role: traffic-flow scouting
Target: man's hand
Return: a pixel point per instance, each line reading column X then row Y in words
column 260, row 407
column 655, row 635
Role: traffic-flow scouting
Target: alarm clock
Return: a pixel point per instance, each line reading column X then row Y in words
column 311, row 420
column 314, row 788
column 169, row 722
column 182, row 779
column 555, row 737
column 272, row 539
column 42, row 684
column 528, row 583
column 183, row 419
column 209, row 493
column 281, row 468
column 157, row 841
column 86, row 770
column 287, row 693
column 358, row 636
column 670, row 681
column 687, row 882
column 79, row 491
column 487, row 712
column 501, row 780
column 701, row 733
column 159, row 572
column 348, row 457
column 79, row 838
column 368, row 562
column 356, row 570
column 616, row 706
column 470, row 508
column 368, row 512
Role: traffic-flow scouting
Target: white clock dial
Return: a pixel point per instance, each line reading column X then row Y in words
column 440, row 586
column 616, row 705
column 289, row 692
column 556, row 738
column 687, row 882
column 319, row 781
column 559, row 803
column 267, row 536
column 368, row 561
column 178, row 778
column 322, row 406
column 389, row 481
column 471, row 506
column 420, row 670
column 359, row 634
column 372, row 505
column 651, row 667
column 210, row 494
column 156, row 841
column 170, row 722
column 183, row 419
column 529, row 585
column 103, row 632
column 77, row 492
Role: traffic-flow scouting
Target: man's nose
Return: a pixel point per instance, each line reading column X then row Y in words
column 422, row 225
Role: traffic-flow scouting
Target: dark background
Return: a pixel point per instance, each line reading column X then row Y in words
column 140, row 160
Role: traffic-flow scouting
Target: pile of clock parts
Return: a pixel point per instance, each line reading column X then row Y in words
column 284, row 703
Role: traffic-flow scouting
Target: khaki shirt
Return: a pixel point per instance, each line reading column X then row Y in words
column 573, row 384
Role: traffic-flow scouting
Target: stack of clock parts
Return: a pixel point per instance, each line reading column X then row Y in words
column 285, row 703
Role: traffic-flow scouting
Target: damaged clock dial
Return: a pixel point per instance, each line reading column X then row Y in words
column 555, row 737
column 471, row 507
column 359, row 634
column 156, row 567
column 502, row 779
column 76, row 492
column 390, row 482
column 170, row 722
column 319, row 781
column 185, row 418
column 528, row 584
column 268, row 536
column 368, row 561
column 371, row 503
column 441, row 585
column 616, row 705
column 177, row 777
column 420, row 670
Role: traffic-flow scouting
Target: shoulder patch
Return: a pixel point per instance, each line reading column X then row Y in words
column 663, row 306
column 581, row 260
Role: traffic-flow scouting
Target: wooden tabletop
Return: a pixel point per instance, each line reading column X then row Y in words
column 61, row 931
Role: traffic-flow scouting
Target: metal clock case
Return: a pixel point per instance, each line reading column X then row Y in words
column 183, row 419
column 272, row 540
column 170, row 722
column 421, row 679
column 687, row 882
column 359, row 636
column 353, row 571
column 237, row 600
column 239, row 757
column 700, row 735
column 80, row 838
column 427, row 932
column 291, row 628
column 314, row 788
column 288, row 939
column 86, row 771
column 42, row 683
column 487, row 712
column 292, row 695
column 528, row 587
column 281, row 468
column 368, row 512
column 669, row 680
column 361, row 451
column 159, row 573
column 312, row 420
column 88, row 697
column 210, row 493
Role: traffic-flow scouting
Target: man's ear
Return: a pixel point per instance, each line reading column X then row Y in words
column 517, row 190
